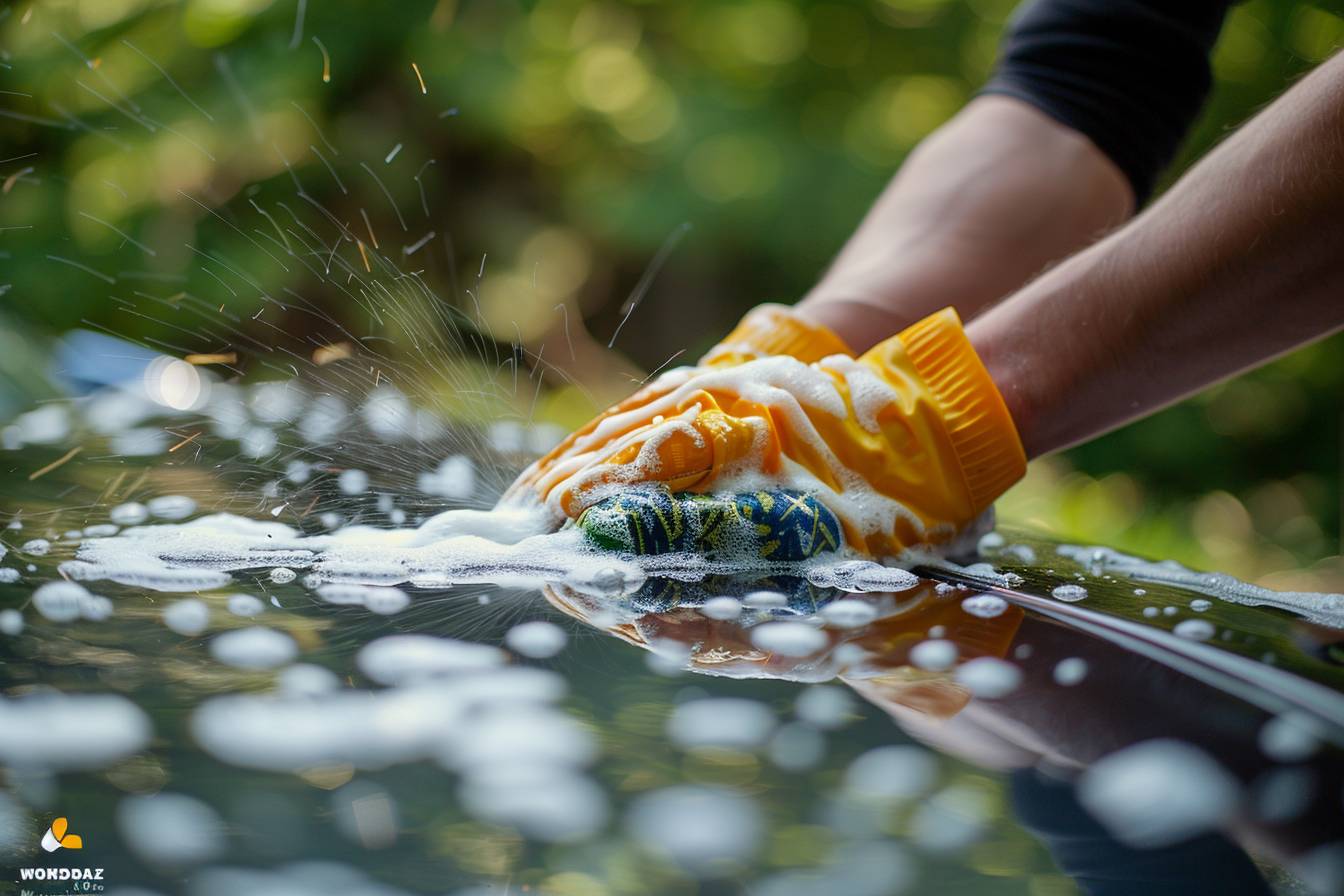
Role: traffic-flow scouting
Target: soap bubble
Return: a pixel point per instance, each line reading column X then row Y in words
column 765, row 600
column 254, row 648
column 63, row 601
column 891, row 773
column 353, row 482
column 45, row 425
column 1158, row 793
column 934, row 655
column 985, row 606
column 171, row 507
column 1195, row 629
column 394, row 659
column 544, row 804
column 139, row 442
column 306, row 680
column 707, row 831
column 1069, row 593
column 383, row 600
column 11, row 622
column 861, row 576
column 1070, row 671
column 848, row 613
column 245, row 605
column 1291, row 737
column 721, row 608
column 129, row 514
column 520, row 736
column 789, row 639
column 824, row 706
column 988, row 677
column 455, row 479
column 70, row 731
column 731, row 722
column 187, row 617
column 537, row 639
column 170, row 828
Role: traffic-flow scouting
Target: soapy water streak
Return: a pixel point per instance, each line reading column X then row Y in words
column 501, row 547
column 1323, row 609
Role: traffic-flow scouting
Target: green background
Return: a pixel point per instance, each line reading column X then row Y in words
column 570, row 140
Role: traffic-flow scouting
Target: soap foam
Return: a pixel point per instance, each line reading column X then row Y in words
column 1323, row 609
column 507, row 546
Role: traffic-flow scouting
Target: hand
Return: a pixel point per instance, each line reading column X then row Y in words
column 906, row 445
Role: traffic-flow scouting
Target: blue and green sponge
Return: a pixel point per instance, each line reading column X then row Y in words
column 779, row 526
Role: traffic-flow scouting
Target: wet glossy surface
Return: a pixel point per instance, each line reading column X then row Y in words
column 276, row 733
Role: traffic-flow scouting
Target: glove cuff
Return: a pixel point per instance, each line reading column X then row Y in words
column 776, row 330
column 977, row 420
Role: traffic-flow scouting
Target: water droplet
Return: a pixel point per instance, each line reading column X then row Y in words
column 1195, row 629
column 791, row 639
column 936, row 655
column 988, row 677
column 848, row 613
column 1071, row 671
column 722, row 608
column 537, row 639
column 985, row 606
column 1069, row 593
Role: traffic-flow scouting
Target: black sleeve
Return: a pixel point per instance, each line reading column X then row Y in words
column 1129, row 74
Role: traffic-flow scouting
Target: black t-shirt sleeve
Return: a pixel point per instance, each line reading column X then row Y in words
column 1130, row 75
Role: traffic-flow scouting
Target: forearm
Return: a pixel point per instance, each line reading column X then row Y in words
column 984, row 204
column 1239, row 262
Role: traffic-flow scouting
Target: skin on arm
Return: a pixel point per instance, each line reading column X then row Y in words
column 1241, row 261
column 985, row 203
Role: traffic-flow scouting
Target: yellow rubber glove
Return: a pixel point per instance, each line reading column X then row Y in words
column 907, row 444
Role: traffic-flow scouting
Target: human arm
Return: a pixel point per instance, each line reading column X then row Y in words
column 1087, row 104
column 1240, row 261
column 981, row 206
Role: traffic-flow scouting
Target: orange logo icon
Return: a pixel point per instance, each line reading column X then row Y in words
column 56, row 837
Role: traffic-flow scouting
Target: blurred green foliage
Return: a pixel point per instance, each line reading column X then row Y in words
column 553, row 148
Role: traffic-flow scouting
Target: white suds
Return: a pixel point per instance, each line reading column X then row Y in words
column 1325, row 609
